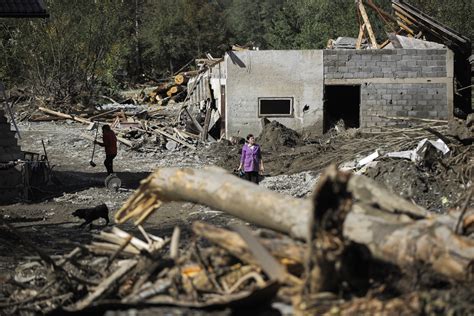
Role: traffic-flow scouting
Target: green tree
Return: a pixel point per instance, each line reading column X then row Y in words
column 73, row 52
column 456, row 14
column 179, row 30
column 249, row 20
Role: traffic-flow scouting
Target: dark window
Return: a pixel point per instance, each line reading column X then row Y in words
column 275, row 107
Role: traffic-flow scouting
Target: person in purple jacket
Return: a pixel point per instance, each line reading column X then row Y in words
column 251, row 160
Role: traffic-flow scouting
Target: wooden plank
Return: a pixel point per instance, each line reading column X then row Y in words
column 207, row 120
column 361, row 36
column 193, row 119
column 403, row 18
column 223, row 110
column 102, row 114
column 158, row 130
column 120, row 139
column 66, row 116
column 381, row 12
column 406, row 28
column 373, row 40
column 428, row 22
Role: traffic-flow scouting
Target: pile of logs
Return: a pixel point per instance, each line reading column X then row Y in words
column 173, row 89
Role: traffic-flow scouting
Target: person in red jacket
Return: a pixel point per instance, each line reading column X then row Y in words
column 109, row 141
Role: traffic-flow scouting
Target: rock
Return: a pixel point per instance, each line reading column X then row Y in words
column 171, row 145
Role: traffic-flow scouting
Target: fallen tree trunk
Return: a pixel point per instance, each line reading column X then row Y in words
column 220, row 190
column 430, row 241
column 394, row 229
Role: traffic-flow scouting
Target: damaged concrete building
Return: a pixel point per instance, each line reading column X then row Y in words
column 19, row 170
column 311, row 90
column 419, row 76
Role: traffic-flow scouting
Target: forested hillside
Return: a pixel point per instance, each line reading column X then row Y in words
column 87, row 45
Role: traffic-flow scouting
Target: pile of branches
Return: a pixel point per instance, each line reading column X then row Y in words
column 356, row 248
column 119, row 271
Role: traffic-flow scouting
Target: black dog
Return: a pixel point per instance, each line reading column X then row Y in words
column 91, row 214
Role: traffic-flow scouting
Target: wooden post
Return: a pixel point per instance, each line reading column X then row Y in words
column 361, row 36
column 365, row 17
column 207, row 120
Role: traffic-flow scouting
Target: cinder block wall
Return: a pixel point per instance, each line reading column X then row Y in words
column 402, row 82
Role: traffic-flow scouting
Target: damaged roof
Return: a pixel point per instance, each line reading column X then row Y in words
column 23, row 9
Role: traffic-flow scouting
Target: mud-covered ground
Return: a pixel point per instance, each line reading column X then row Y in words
column 47, row 218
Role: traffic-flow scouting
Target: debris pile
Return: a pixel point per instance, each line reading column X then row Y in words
column 275, row 135
column 356, row 258
column 118, row 271
column 133, row 130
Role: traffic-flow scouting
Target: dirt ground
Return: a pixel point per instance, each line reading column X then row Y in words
column 47, row 218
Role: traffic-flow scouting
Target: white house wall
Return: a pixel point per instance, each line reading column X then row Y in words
column 253, row 74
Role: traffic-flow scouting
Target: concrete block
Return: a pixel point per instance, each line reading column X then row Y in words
column 423, row 113
column 421, row 102
column 401, row 113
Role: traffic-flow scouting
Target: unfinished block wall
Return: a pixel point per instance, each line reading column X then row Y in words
column 398, row 82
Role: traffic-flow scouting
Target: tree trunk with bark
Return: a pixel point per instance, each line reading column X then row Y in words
column 346, row 210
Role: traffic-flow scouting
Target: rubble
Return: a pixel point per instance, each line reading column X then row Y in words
column 345, row 223
column 236, row 269
column 275, row 135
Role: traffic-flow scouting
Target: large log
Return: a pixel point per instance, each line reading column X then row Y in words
column 394, row 229
column 430, row 241
column 84, row 121
column 66, row 116
column 220, row 190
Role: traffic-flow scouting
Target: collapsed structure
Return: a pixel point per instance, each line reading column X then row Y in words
column 310, row 90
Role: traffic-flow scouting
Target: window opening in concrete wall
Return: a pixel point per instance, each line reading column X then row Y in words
column 341, row 103
column 270, row 107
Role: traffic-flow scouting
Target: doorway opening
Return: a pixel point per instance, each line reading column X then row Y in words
column 341, row 103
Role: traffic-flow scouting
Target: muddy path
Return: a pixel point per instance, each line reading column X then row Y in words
column 46, row 218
